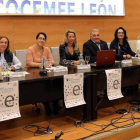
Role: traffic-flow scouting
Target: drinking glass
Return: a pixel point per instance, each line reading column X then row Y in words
column 49, row 62
column 87, row 59
column 10, row 64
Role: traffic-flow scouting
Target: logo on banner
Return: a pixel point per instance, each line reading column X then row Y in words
column 116, row 84
column 9, row 101
column 76, row 90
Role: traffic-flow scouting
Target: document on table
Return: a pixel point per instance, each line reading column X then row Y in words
column 58, row 68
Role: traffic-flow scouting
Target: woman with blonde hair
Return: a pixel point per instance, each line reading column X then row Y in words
column 69, row 50
column 138, row 45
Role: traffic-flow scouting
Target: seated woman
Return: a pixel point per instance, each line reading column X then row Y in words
column 123, row 51
column 69, row 50
column 121, row 45
column 35, row 52
column 138, row 45
column 34, row 57
column 6, row 54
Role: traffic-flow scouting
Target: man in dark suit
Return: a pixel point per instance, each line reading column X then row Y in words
column 93, row 45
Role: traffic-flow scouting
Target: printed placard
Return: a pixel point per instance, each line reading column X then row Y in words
column 73, row 90
column 9, row 100
column 114, row 84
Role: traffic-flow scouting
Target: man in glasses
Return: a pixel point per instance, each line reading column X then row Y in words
column 93, row 45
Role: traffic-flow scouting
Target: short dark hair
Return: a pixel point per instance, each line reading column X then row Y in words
column 41, row 33
column 8, row 43
column 125, row 35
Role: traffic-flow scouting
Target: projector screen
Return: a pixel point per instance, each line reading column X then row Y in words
column 62, row 7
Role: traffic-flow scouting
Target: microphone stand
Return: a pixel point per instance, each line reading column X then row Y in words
column 120, row 50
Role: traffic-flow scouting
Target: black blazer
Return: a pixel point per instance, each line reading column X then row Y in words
column 65, row 57
column 124, row 49
column 90, row 49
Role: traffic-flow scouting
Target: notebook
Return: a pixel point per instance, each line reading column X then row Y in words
column 104, row 58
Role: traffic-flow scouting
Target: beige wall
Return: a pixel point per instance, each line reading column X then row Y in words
column 22, row 30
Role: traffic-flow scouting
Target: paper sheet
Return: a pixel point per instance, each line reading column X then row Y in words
column 9, row 100
column 114, row 84
column 73, row 90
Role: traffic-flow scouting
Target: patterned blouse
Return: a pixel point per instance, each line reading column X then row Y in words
column 65, row 57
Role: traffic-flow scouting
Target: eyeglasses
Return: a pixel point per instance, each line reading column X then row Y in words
column 120, row 33
column 96, row 35
column 1, row 42
column 42, row 39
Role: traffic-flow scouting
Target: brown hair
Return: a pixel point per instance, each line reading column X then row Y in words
column 7, row 49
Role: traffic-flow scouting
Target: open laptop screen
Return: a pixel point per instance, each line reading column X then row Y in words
column 104, row 58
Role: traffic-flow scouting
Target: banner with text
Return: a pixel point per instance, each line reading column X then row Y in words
column 9, row 100
column 62, row 7
column 73, row 90
column 114, row 84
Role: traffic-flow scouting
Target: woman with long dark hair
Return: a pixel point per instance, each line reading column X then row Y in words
column 121, row 45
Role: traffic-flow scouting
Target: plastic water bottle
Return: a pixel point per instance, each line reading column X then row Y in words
column 81, row 59
column 43, row 63
column 5, row 65
column 5, row 68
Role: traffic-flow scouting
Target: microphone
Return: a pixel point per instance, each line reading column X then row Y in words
column 43, row 62
column 119, row 49
column 43, row 72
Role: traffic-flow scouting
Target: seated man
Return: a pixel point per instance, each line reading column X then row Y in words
column 93, row 45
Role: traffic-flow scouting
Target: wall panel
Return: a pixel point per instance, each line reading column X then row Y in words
column 22, row 30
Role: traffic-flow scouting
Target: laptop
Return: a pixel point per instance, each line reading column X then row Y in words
column 104, row 58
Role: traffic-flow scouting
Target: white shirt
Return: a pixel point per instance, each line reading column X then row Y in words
column 98, row 44
column 16, row 63
column 138, row 47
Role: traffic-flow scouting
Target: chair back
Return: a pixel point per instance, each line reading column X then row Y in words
column 132, row 44
column 21, row 55
column 55, row 54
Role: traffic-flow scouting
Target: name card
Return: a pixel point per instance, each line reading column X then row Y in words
column 126, row 62
column 136, row 60
column 60, row 68
column 80, row 67
column 18, row 74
